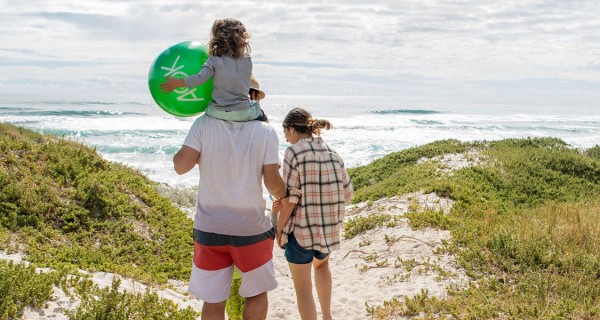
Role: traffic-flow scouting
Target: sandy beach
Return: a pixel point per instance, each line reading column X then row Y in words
column 368, row 269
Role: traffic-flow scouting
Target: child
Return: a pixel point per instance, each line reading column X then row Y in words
column 311, row 218
column 230, row 65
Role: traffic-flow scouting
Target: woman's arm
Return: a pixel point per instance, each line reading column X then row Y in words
column 284, row 215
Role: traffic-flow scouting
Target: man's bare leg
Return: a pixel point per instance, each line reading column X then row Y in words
column 213, row 311
column 256, row 307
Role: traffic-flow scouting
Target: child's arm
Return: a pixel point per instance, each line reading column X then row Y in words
column 206, row 72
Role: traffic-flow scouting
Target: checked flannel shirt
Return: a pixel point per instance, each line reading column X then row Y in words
column 319, row 185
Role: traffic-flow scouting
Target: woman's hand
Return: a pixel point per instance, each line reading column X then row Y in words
column 283, row 217
column 278, row 236
column 277, row 205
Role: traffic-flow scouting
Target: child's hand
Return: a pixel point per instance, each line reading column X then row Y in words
column 254, row 95
column 171, row 84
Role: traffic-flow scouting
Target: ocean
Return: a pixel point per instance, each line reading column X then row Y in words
column 134, row 131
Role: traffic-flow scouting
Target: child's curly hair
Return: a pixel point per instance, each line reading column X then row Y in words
column 303, row 122
column 229, row 36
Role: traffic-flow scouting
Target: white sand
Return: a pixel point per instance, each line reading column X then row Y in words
column 366, row 270
column 360, row 271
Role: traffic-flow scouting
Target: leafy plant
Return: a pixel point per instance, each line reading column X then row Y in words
column 110, row 304
column 68, row 207
column 525, row 226
column 359, row 225
column 21, row 286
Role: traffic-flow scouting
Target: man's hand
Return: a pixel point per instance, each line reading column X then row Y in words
column 284, row 215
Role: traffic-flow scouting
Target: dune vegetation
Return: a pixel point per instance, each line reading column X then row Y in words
column 65, row 208
column 525, row 225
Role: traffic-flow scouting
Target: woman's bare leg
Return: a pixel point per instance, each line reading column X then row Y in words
column 301, row 274
column 323, row 284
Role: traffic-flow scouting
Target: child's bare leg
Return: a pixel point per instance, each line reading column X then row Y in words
column 323, row 285
column 301, row 274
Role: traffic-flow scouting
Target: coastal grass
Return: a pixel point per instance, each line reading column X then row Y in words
column 21, row 286
column 111, row 304
column 24, row 286
column 525, row 226
column 63, row 206
column 398, row 173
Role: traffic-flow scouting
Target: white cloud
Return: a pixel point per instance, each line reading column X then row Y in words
column 432, row 50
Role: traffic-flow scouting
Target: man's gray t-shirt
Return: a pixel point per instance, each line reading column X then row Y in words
column 231, row 81
column 230, row 190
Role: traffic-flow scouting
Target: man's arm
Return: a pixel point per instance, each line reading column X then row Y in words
column 273, row 181
column 186, row 159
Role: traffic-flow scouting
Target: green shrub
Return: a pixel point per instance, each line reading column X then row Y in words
column 21, row 286
column 525, row 227
column 356, row 226
column 110, row 304
column 594, row 152
column 71, row 208
column 235, row 303
column 428, row 219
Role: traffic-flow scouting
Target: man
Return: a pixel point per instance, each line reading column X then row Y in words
column 230, row 226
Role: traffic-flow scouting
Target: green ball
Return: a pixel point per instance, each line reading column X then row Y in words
column 179, row 61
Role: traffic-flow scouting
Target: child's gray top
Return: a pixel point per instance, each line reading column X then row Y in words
column 231, row 81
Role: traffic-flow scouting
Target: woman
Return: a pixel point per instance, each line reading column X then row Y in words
column 310, row 218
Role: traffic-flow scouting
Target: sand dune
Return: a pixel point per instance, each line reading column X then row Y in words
column 370, row 269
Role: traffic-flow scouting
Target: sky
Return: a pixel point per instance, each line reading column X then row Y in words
column 526, row 52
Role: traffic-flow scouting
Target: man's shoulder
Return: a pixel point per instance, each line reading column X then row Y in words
column 262, row 127
column 207, row 120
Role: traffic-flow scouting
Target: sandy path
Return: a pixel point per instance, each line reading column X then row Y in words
column 367, row 268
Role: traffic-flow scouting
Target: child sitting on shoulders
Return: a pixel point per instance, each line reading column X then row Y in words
column 230, row 65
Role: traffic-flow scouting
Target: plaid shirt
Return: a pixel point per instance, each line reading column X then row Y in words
column 319, row 184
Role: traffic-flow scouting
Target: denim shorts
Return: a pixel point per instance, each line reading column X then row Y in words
column 294, row 253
